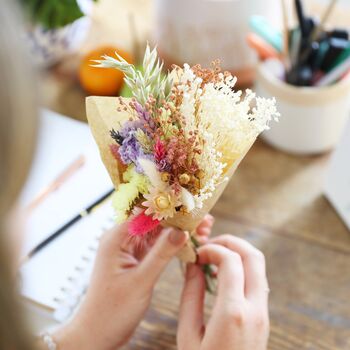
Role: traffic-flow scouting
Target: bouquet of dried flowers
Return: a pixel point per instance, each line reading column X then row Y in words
column 171, row 149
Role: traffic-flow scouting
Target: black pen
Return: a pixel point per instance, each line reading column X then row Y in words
column 301, row 18
column 63, row 228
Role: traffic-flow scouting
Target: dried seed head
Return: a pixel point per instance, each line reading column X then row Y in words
column 200, row 174
column 165, row 177
column 184, row 179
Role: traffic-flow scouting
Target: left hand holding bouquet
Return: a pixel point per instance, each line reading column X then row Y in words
column 121, row 287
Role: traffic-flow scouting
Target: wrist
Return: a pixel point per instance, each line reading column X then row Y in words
column 71, row 337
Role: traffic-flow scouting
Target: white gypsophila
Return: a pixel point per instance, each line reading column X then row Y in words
column 226, row 122
column 209, row 162
column 263, row 113
column 225, row 117
column 189, row 83
column 231, row 118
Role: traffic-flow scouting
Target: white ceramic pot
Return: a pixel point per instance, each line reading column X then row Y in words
column 312, row 119
column 199, row 31
column 48, row 47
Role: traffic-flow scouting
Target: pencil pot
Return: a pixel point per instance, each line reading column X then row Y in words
column 312, row 118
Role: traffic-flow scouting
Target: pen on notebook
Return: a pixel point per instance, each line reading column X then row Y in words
column 56, row 183
column 68, row 224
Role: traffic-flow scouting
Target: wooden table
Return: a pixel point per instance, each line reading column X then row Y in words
column 275, row 201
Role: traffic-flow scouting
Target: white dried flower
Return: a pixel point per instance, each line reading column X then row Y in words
column 226, row 124
column 161, row 203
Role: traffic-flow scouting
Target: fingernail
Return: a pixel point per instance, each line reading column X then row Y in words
column 176, row 236
column 210, row 217
column 202, row 239
column 206, row 231
column 191, row 270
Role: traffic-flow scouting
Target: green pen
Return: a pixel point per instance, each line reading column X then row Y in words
column 341, row 58
column 321, row 53
column 263, row 28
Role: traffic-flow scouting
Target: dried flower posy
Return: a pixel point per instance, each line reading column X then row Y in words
column 186, row 133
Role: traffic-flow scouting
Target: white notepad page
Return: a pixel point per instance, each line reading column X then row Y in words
column 58, row 276
column 61, row 141
column 59, row 273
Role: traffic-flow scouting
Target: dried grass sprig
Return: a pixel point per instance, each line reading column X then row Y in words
column 143, row 84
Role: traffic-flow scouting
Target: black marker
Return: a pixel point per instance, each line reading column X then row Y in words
column 68, row 224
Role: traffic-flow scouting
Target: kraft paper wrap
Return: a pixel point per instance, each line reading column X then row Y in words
column 102, row 116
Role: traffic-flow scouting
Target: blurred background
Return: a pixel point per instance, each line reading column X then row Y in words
column 64, row 38
column 291, row 195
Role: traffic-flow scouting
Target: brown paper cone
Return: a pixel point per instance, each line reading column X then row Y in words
column 102, row 116
column 189, row 222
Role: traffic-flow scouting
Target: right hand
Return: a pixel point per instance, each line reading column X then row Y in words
column 239, row 319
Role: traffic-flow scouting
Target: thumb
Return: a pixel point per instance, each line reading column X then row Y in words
column 168, row 244
column 191, row 320
column 112, row 240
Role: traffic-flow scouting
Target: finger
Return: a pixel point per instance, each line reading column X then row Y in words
column 230, row 269
column 256, row 285
column 113, row 240
column 204, row 228
column 168, row 244
column 191, row 309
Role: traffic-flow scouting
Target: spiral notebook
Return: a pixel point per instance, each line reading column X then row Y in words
column 57, row 277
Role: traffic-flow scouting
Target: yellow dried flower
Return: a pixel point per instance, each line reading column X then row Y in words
column 165, row 176
column 184, row 179
column 162, row 202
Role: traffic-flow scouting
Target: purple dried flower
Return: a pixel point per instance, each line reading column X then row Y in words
column 144, row 116
column 130, row 127
column 130, row 149
column 163, row 165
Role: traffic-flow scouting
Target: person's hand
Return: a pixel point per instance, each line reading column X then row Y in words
column 121, row 287
column 239, row 319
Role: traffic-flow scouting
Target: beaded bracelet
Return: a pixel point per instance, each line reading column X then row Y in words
column 49, row 342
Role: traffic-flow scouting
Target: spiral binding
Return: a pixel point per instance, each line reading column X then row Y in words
column 77, row 283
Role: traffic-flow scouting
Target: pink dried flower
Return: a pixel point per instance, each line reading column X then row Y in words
column 142, row 224
column 160, row 156
column 159, row 151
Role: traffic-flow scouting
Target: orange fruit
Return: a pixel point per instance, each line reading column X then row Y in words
column 101, row 81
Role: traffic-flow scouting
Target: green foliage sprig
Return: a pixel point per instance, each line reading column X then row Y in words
column 52, row 14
